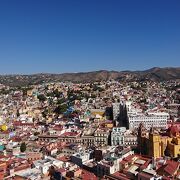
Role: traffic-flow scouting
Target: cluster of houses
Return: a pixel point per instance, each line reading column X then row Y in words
column 89, row 131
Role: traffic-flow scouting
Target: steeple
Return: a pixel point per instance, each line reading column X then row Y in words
column 151, row 130
column 140, row 138
column 141, row 130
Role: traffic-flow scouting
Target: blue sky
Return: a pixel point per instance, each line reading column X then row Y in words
column 85, row 35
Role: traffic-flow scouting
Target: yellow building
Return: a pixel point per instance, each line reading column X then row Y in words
column 156, row 145
column 98, row 114
column 174, row 147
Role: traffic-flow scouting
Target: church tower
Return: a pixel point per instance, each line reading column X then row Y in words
column 154, row 145
column 141, row 139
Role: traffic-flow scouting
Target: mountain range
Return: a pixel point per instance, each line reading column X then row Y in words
column 153, row 74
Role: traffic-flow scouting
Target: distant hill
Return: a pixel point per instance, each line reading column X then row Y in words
column 154, row 74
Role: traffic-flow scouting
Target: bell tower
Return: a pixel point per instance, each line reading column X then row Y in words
column 154, row 144
column 141, row 138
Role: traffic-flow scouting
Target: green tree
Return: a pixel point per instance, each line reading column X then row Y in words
column 50, row 94
column 18, row 114
column 61, row 101
column 57, row 93
column 36, row 133
column 60, row 109
column 41, row 97
column 23, row 147
column 45, row 113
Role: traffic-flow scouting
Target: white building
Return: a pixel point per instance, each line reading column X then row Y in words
column 158, row 120
column 121, row 136
column 110, row 163
column 44, row 164
column 101, row 137
column 117, row 136
column 81, row 157
column 33, row 174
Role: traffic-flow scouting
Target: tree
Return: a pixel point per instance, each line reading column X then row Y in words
column 50, row 101
column 50, row 94
column 36, row 133
column 57, row 93
column 60, row 109
column 41, row 97
column 18, row 114
column 45, row 113
column 61, row 101
column 23, row 147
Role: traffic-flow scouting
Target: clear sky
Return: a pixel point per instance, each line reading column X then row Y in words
column 85, row 35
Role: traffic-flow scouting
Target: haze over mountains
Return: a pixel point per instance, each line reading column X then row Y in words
column 153, row 74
